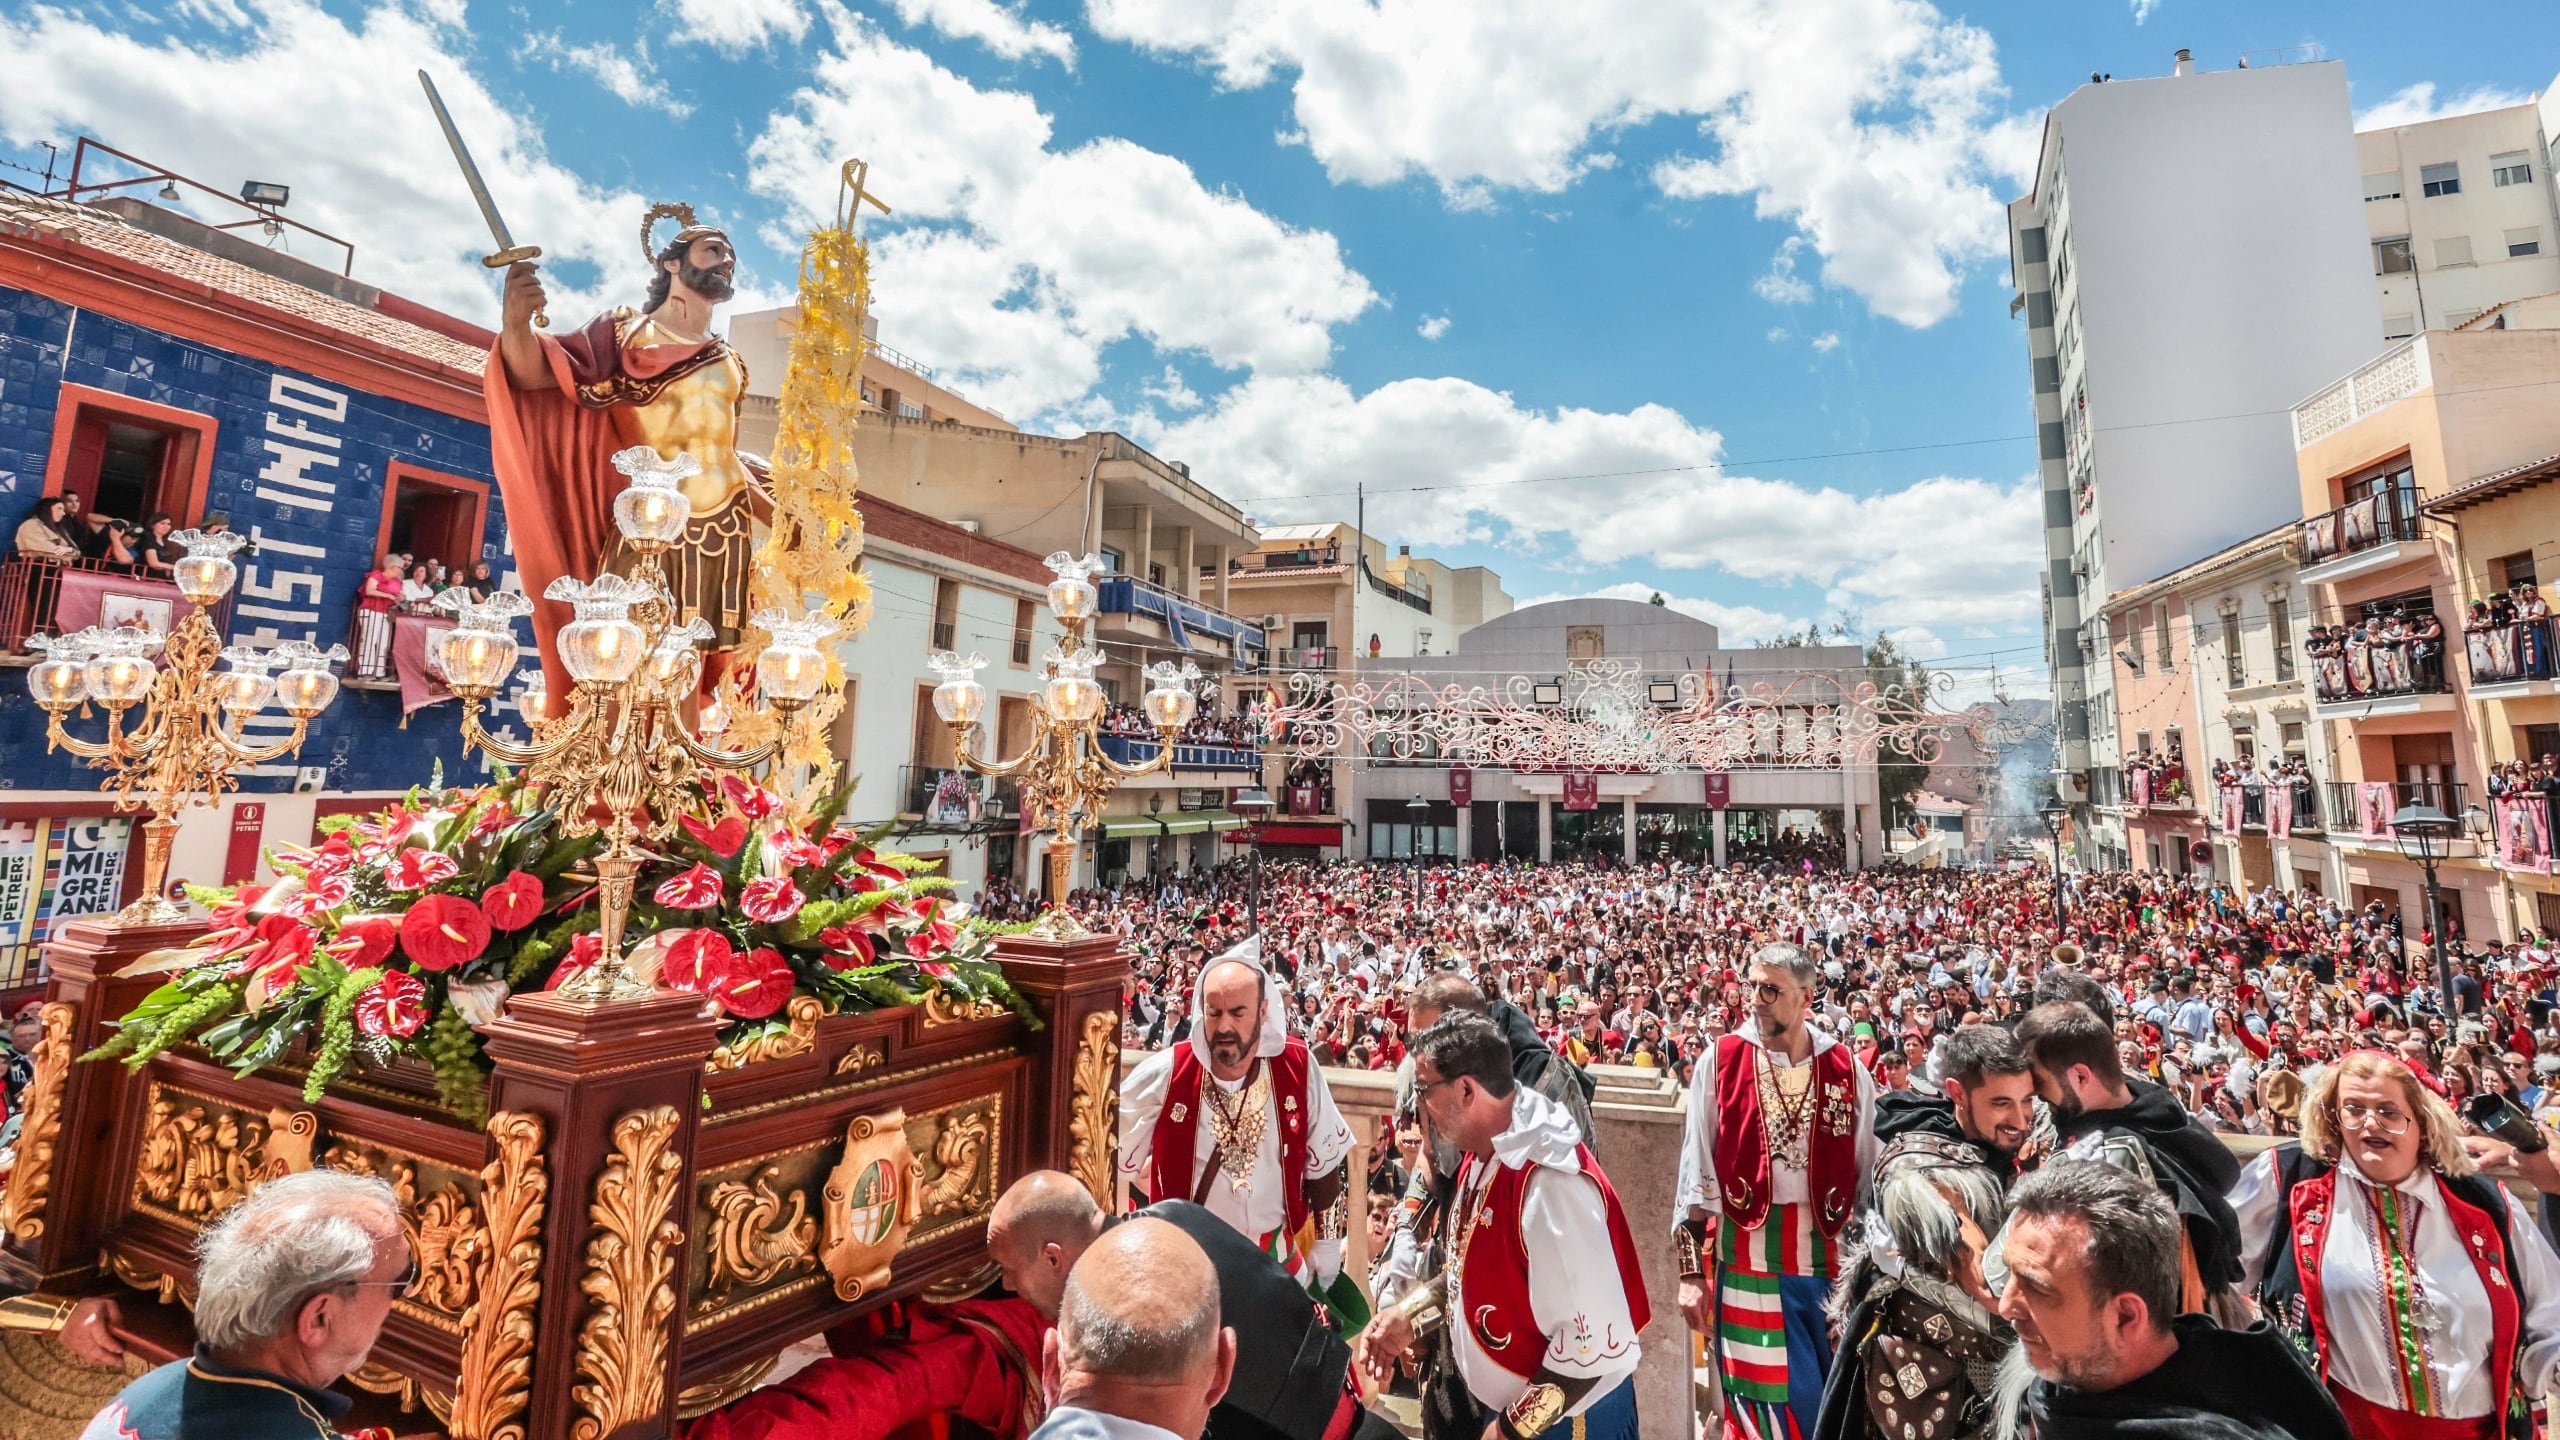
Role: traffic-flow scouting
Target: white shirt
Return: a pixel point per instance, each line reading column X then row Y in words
column 1264, row 1208
column 1069, row 1423
column 1575, row 1292
column 1787, row 1184
column 2360, row 1354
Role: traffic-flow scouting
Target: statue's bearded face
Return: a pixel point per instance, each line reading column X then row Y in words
column 708, row 267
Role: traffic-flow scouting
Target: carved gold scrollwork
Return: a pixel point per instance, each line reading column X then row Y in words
column 163, row 1287
column 961, row 1151
column 941, row 1009
column 446, row 1239
column 798, row 1037
column 291, row 1134
column 631, row 1265
column 859, row 1059
column 870, row 1201
column 31, row 1181
column 497, row 1328
column 383, row 1380
column 757, row 1234
column 200, row 1159
column 1097, row 1081
column 720, row 1389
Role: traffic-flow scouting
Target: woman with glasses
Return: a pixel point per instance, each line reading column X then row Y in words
column 2423, row 1292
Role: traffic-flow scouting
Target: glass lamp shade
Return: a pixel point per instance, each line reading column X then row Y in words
column 675, row 669
column 960, row 702
column 602, row 652
column 1072, row 597
column 652, row 510
column 203, row 579
column 1170, row 707
column 58, row 685
column 476, row 662
column 306, row 690
column 1075, row 699
column 791, row 674
column 120, row 678
column 244, row 692
column 535, row 700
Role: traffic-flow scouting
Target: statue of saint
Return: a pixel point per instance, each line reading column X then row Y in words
column 560, row 406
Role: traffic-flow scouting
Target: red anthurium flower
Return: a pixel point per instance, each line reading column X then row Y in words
column 513, row 903
column 442, row 931
column 938, row 972
column 273, row 965
column 321, row 892
column 364, row 940
column 795, row 851
column 920, row 945
column 393, row 1006
column 722, row 839
column 415, row 869
column 845, row 947
column 584, row 951
column 772, row 900
column 697, row 961
column 493, row 819
column 756, row 984
column 695, row 889
column 749, row 799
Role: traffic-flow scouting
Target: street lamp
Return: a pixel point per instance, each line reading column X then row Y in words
column 2425, row 834
column 1256, row 804
column 2054, row 814
column 1417, row 810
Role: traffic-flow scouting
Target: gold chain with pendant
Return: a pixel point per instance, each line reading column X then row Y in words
column 1786, row 1107
column 1238, row 1131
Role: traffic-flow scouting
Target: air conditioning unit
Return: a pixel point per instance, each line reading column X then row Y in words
column 1271, row 621
column 972, row 526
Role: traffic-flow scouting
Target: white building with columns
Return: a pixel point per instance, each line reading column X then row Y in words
column 1624, row 813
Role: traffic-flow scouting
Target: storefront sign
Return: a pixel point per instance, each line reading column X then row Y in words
column 248, row 823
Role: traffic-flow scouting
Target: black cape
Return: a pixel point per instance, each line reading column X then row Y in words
column 1907, row 1112
column 2192, row 1165
column 2220, row 1385
column 1290, row 1365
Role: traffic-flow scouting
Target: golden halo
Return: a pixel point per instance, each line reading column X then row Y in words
column 649, row 223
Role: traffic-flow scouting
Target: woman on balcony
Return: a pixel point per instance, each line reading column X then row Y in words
column 156, row 554
column 2426, row 651
column 45, row 535
column 2533, row 632
column 374, row 602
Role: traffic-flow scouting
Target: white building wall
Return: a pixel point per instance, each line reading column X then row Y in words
column 2460, row 244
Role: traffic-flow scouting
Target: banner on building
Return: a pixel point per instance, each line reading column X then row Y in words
column 54, row 869
column 1719, row 788
column 1582, row 792
column 1462, row 786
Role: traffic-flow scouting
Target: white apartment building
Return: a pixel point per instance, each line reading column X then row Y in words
column 2462, row 213
column 2192, row 261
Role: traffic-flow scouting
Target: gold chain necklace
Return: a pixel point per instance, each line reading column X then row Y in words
column 1239, row 1131
column 1786, row 1103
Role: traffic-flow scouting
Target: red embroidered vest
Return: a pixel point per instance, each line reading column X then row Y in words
column 1177, row 1138
column 2312, row 1204
column 1742, row 1137
column 1494, row 1271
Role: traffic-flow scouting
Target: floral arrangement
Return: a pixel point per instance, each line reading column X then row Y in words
column 404, row 932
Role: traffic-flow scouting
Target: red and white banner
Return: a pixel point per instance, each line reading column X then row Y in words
column 1462, row 786
column 1719, row 788
column 1582, row 791
column 414, row 660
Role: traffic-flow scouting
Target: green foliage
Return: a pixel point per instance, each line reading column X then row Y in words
column 453, row 1050
column 337, row 1031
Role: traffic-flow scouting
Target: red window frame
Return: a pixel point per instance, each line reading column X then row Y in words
column 191, row 466
column 476, row 492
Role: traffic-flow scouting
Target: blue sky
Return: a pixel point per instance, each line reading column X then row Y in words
column 1748, row 249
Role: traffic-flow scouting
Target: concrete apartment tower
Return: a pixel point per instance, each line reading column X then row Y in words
column 2194, row 259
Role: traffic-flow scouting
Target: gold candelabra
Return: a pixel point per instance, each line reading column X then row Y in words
column 1064, row 773
column 624, row 756
column 187, row 743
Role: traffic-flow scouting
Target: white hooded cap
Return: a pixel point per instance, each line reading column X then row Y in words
column 1274, row 1035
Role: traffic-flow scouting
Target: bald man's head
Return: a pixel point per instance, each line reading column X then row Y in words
column 1039, row 1228
column 1140, row 1308
column 1231, row 1016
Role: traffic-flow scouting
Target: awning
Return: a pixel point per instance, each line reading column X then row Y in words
column 1327, row 832
column 1191, row 822
column 1130, row 825
column 1224, row 820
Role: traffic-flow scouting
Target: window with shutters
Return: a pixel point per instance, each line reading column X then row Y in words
column 2520, row 243
column 2391, row 257
column 2439, row 180
column 2382, row 185
column 2399, row 327
column 2513, row 168
column 2280, row 636
column 2453, row 250
column 2235, row 669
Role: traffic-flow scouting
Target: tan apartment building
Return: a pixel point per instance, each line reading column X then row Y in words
column 2421, row 477
column 2461, row 213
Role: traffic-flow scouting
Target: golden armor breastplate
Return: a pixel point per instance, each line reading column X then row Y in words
column 696, row 415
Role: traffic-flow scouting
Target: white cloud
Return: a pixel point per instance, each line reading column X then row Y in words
column 1944, row 551
column 734, row 27
column 1736, row 625
column 331, row 107
column 1432, row 327
column 1782, row 286
column 1169, row 391
column 2417, row 104
column 1777, row 333
column 632, row 80
column 1013, row 264
column 2142, row 9
column 1865, row 124
column 1000, row 28
column 1826, row 342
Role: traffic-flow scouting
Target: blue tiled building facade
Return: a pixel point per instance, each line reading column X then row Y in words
column 300, row 464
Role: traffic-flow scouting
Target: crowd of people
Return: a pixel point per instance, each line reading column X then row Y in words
column 2398, row 652
column 2156, row 777
column 2273, row 792
column 2508, row 635
column 405, row 584
column 1233, row 730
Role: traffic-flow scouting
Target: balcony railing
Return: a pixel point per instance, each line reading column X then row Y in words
column 2522, row 834
column 1180, row 614
column 1311, row 657
column 2272, row 810
column 2365, row 807
column 2377, row 672
column 956, row 799
column 2385, row 517
column 1129, row 750
column 2506, row 654
column 2400, row 371
column 31, row 590
column 1305, row 557
column 2157, row 788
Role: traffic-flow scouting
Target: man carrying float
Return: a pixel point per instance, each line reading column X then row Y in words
column 1780, row 1143
column 1238, row 1119
column 1543, row 1294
